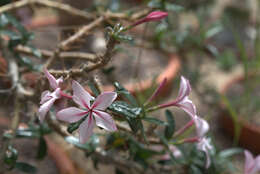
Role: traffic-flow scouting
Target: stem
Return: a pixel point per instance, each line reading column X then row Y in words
column 65, row 95
column 184, row 128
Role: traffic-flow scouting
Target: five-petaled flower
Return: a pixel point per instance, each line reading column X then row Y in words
column 153, row 16
column 252, row 165
column 49, row 98
column 91, row 112
column 182, row 101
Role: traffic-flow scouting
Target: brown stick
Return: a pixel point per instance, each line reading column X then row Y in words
column 57, row 5
column 66, row 55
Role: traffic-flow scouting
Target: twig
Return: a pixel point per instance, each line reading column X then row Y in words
column 64, row 44
column 57, row 5
column 65, row 55
column 90, row 67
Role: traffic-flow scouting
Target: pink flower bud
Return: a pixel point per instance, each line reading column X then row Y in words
column 153, row 16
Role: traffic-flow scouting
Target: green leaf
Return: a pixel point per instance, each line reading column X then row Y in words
column 125, row 93
column 154, row 121
column 124, row 38
column 93, row 88
column 135, row 124
column 25, row 167
column 170, row 128
column 3, row 20
column 123, row 108
column 194, row 170
column 90, row 145
column 108, row 70
column 230, row 152
column 35, row 51
column 42, row 148
column 11, row 156
column 74, row 126
column 162, row 139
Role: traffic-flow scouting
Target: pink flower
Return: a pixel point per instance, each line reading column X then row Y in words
column 182, row 101
column 252, row 165
column 205, row 146
column 94, row 111
column 48, row 98
column 153, row 16
column 202, row 126
column 175, row 152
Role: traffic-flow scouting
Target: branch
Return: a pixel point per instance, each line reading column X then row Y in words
column 65, row 55
column 57, row 5
column 83, row 31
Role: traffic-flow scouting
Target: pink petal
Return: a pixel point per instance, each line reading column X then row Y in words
column 184, row 90
column 156, row 15
column 71, row 114
column 187, row 105
column 86, row 129
column 45, row 96
column 249, row 161
column 157, row 91
column 205, row 146
column 251, row 165
column 51, row 79
column 45, row 108
column 153, row 16
column 80, row 95
column 104, row 120
column 104, row 100
column 202, row 126
column 59, row 81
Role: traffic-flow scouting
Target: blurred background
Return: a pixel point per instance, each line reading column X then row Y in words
column 213, row 43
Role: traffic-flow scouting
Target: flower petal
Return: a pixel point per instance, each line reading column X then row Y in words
column 104, row 100
column 187, row 105
column 45, row 96
column 104, row 120
column 86, row 129
column 80, row 95
column 205, row 146
column 51, row 78
column 184, row 90
column 45, row 108
column 71, row 114
column 251, row 165
column 202, row 126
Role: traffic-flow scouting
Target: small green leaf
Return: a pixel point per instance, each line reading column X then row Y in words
column 74, row 126
column 154, row 120
column 25, row 167
column 108, row 70
column 42, row 148
column 170, row 128
column 135, row 124
column 123, row 108
column 3, row 20
column 194, row 170
column 230, row 152
column 36, row 52
column 125, row 93
column 11, row 156
column 90, row 145
column 93, row 88
column 162, row 139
